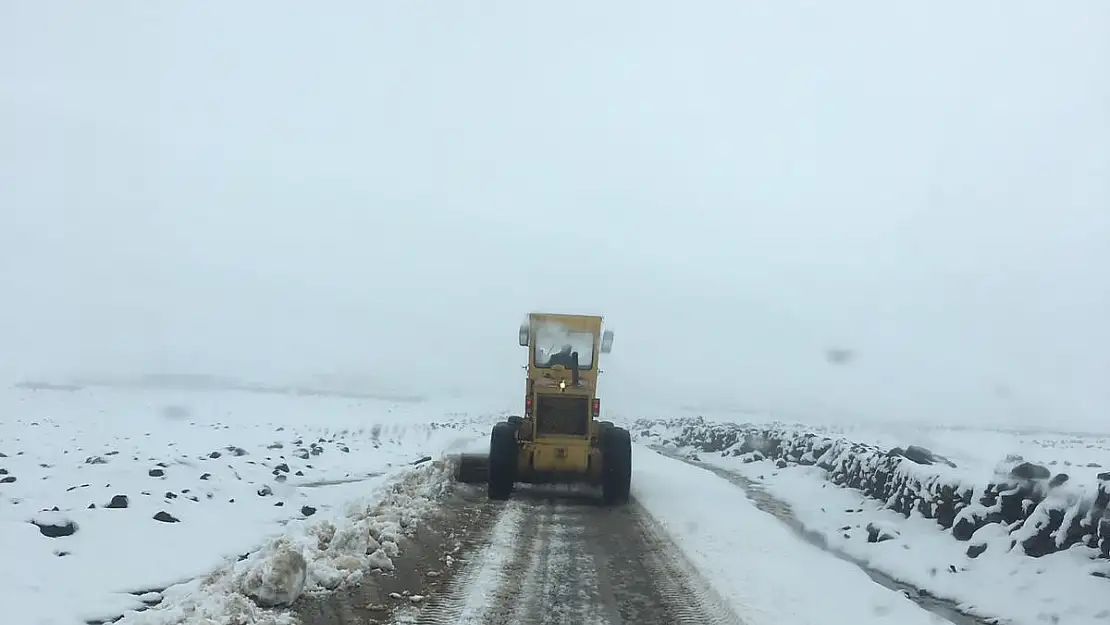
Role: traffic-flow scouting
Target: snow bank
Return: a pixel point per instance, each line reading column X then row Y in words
column 1041, row 513
column 310, row 555
column 1032, row 548
column 109, row 496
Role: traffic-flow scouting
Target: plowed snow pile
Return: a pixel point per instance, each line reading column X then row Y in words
column 108, row 497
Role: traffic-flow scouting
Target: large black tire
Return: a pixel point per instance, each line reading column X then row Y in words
column 515, row 420
column 616, row 465
column 602, row 426
column 502, row 460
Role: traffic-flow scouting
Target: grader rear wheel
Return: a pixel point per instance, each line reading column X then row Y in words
column 616, row 465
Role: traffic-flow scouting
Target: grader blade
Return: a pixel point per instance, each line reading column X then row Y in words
column 473, row 469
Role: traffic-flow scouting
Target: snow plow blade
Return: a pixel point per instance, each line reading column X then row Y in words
column 473, row 469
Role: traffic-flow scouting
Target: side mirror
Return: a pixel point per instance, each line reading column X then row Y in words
column 523, row 337
column 607, row 342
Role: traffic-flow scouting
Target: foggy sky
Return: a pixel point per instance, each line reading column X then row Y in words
column 385, row 189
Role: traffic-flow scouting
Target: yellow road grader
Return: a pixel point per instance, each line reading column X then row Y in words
column 559, row 439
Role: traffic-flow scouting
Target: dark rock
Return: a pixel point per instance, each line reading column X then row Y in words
column 275, row 446
column 299, row 474
column 7, row 479
column 920, row 455
column 344, row 449
column 780, row 463
column 118, row 501
column 279, row 504
column 1030, row 471
column 974, row 551
column 284, row 468
column 95, row 460
column 1058, row 480
column 156, row 473
column 1043, row 542
column 265, row 491
column 55, row 526
column 236, row 451
column 301, row 453
column 171, row 495
column 214, row 455
column 166, row 517
column 3, row 471
column 308, row 510
column 205, row 476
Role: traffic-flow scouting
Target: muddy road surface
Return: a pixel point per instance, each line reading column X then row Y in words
column 549, row 556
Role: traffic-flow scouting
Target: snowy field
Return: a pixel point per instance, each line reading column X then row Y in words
column 990, row 574
column 107, row 497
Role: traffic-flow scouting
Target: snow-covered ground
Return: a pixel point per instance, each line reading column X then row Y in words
column 1055, row 588
column 978, row 451
column 754, row 562
column 160, row 487
column 995, row 577
column 213, row 503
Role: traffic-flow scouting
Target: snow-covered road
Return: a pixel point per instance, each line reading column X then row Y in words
column 690, row 549
column 555, row 556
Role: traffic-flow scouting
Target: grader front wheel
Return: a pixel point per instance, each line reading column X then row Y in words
column 502, row 461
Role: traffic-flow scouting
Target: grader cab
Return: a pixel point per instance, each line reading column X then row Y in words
column 559, row 439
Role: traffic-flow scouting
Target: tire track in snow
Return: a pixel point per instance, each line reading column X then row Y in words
column 649, row 579
column 563, row 583
column 556, row 558
column 491, row 578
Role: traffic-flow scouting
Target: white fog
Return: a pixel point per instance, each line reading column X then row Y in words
column 382, row 191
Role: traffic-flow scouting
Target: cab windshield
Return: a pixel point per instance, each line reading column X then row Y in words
column 555, row 343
